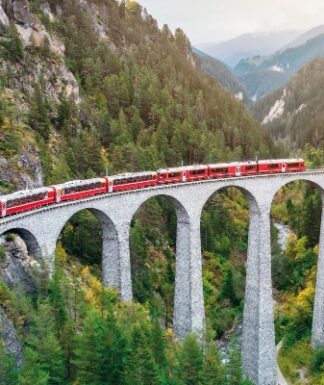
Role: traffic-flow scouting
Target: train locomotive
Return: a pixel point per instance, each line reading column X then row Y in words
column 27, row 200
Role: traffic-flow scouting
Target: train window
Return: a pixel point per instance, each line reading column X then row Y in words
column 174, row 174
column 293, row 164
column 250, row 167
column 197, row 172
column 220, row 170
column 273, row 165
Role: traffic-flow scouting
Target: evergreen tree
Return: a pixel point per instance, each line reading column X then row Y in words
column 213, row 373
column 8, row 371
column 45, row 343
column 141, row 368
column 191, row 361
column 32, row 373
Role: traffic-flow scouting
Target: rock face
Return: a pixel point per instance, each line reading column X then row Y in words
column 18, row 11
column 16, row 267
column 44, row 62
column 26, row 171
column 4, row 21
column 9, row 337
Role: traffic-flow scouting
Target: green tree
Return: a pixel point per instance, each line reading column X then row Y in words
column 141, row 368
column 8, row 371
column 191, row 361
column 213, row 373
column 32, row 373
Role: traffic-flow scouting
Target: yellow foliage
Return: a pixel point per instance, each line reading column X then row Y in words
column 61, row 255
column 85, row 272
column 104, row 157
column 90, row 297
column 94, row 289
column 304, row 299
column 130, row 4
column 296, row 248
column 169, row 333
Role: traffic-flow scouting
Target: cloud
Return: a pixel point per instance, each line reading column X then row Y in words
column 215, row 20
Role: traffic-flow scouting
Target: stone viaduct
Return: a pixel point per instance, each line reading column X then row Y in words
column 41, row 228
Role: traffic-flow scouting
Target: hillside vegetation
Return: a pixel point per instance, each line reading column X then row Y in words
column 220, row 72
column 300, row 119
column 120, row 93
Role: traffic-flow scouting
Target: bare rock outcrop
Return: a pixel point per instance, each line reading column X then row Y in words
column 18, row 11
column 16, row 267
column 10, row 339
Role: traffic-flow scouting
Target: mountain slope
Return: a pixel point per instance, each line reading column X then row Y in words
column 295, row 113
column 304, row 37
column 221, row 73
column 98, row 85
column 248, row 45
column 262, row 75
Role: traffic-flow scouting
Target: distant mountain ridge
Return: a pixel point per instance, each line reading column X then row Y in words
column 295, row 114
column 308, row 35
column 262, row 75
column 248, row 45
column 221, row 73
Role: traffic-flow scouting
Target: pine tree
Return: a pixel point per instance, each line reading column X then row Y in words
column 191, row 361
column 141, row 368
column 8, row 371
column 213, row 372
column 100, row 351
column 45, row 343
column 32, row 373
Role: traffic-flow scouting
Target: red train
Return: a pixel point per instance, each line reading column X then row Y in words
column 31, row 199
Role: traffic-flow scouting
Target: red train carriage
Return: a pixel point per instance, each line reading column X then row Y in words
column 280, row 165
column 79, row 189
column 182, row 174
column 224, row 170
column 26, row 200
column 133, row 180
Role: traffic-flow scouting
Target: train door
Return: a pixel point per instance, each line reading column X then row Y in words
column 283, row 167
column 238, row 170
column 184, row 178
column 4, row 208
column 58, row 195
column 110, row 185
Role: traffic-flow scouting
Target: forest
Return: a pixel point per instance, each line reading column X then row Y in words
column 135, row 112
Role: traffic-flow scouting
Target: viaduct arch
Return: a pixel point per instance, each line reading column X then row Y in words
column 115, row 212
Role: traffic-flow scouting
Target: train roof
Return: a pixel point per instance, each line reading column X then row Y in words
column 79, row 182
column 23, row 193
column 182, row 168
column 281, row 160
column 132, row 175
column 213, row 165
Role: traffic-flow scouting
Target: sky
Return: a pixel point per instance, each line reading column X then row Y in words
column 218, row 20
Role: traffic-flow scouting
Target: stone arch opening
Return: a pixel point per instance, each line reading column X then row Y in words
column 154, row 246
column 90, row 235
column 225, row 223
column 297, row 212
column 32, row 244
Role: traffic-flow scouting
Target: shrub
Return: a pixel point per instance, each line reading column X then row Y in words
column 317, row 362
column 2, row 253
column 10, row 237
